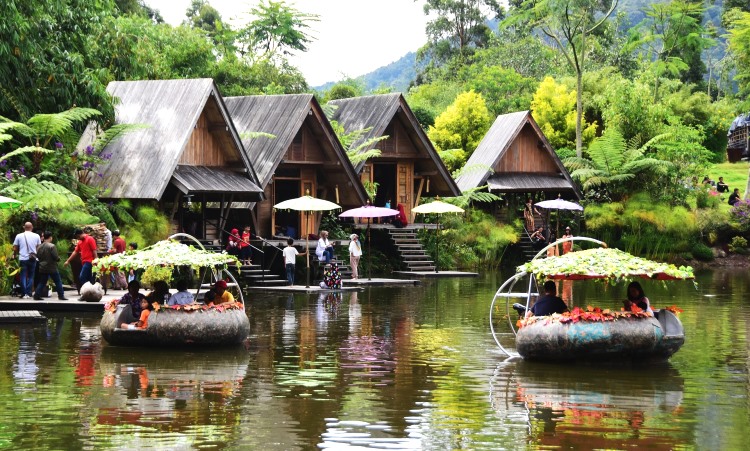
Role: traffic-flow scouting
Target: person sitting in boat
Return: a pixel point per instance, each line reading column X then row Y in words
column 183, row 296
column 549, row 303
column 222, row 295
column 133, row 297
column 636, row 296
column 160, row 294
column 142, row 322
column 208, row 297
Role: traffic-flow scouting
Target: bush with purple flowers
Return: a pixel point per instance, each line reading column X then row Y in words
column 740, row 213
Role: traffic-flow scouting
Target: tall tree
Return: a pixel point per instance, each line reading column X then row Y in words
column 277, row 30
column 459, row 25
column 569, row 24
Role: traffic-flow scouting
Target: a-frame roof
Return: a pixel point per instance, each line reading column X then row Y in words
column 283, row 116
column 144, row 161
column 493, row 147
column 378, row 111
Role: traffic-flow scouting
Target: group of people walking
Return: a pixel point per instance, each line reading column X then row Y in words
column 37, row 253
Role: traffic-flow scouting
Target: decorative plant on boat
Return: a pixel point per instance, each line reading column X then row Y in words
column 591, row 314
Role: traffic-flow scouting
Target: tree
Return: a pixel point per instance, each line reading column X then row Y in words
column 739, row 46
column 612, row 163
column 458, row 26
column 553, row 107
column 570, row 24
column 462, row 125
column 673, row 38
column 278, row 30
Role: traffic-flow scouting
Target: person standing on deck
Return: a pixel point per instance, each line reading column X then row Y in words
column 118, row 247
column 86, row 248
column 48, row 259
column 24, row 246
column 355, row 253
column 568, row 245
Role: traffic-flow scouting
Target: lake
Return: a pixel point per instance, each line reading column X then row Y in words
column 386, row 368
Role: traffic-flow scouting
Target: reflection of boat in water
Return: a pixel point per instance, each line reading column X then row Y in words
column 225, row 324
column 593, row 333
column 588, row 407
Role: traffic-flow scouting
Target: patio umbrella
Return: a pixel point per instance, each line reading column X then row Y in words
column 437, row 207
column 306, row 204
column 368, row 212
column 7, row 203
column 559, row 204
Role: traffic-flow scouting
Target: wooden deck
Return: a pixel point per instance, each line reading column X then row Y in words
column 21, row 317
column 381, row 281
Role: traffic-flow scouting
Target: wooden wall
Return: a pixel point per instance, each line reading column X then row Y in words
column 305, row 147
column 398, row 144
column 526, row 155
column 204, row 148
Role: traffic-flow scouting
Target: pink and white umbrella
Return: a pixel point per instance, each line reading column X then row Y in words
column 368, row 211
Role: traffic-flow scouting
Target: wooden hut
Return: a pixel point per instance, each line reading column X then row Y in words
column 515, row 158
column 409, row 167
column 303, row 157
column 189, row 156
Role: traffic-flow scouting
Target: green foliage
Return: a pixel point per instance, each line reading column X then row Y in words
column 344, row 89
column 155, row 274
column 470, row 241
column 739, row 46
column 554, row 109
column 613, row 164
column 277, row 29
column 150, row 226
column 642, row 226
column 371, row 188
column 738, row 245
column 358, row 148
column 462, row 125
column 504, row 90
column 453, row 159
column 331, row 222
column 702, row 252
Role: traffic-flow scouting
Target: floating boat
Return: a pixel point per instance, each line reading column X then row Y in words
column 593, row 333
column 184, row 325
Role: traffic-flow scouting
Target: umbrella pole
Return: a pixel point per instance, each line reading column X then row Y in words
column 307, row 251
column 437, row 244
column 369, row 253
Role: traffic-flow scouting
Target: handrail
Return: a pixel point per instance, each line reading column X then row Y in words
column 240, row 238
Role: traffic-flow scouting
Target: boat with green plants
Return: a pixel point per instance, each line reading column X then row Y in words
column 591, row 333
column 192, row 324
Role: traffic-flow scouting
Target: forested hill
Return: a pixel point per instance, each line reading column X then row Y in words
column 400, row 73
column 396, row 75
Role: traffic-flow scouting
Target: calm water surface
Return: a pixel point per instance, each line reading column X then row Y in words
column 387, row 368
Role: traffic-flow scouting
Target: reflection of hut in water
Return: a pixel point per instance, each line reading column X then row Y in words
column 738, row 138
column 562, row 405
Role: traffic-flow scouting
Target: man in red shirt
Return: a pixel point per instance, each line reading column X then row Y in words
column 86, row 248
column 118, row 247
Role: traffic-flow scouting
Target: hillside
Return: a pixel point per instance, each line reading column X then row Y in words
column 396, row 75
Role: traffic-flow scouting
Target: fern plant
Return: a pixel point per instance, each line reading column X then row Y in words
column 356, row 147
column 612, row 163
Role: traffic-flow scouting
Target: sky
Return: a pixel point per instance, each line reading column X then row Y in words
column 352, row 37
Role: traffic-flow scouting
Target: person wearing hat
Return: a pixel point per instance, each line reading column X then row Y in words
column 86, row 248
column 568, row 245
column 222, row 295
column 355, row 253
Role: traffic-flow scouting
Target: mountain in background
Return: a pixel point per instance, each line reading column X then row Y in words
column 399, row 74
column 396, row 75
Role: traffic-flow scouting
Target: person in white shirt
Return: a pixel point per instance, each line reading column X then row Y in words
column 24, row 246
column 324, row 250
column 183, row 296
column 355, row 252
column 290, row 258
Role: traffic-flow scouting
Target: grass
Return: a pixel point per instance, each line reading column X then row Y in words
column 735, row 174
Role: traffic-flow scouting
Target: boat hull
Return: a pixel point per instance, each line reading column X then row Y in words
column 626, row 338
column 179, row 328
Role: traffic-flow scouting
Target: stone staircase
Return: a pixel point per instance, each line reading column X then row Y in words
column 253, row 274
column 410, row 250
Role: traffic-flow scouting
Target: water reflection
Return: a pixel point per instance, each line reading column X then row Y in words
column 396, row 368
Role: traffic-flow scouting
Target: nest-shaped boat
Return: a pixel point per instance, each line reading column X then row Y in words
column 194, row 324
column 593, row 333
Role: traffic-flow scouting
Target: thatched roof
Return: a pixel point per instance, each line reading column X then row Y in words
column 378, row 112
column 283, row 116
column 144, row 161
column 494, row 146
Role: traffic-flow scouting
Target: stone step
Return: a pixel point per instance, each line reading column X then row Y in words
column 410, row 246
column 406, row 252
column 422, row 268
column 412, row 258
column 420, row 263
column 400, row 241
column 271, row 282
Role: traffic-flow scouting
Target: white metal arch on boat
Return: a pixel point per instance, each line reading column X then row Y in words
column 216, row 274
column 511, row 282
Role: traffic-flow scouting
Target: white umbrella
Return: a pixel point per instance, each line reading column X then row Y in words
column 368, row 211
column 306, row 204
column 559, row 204
column 437, row 207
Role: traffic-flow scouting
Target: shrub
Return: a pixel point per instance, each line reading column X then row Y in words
column 155, row 274
column 738, row 245
column 702, row 252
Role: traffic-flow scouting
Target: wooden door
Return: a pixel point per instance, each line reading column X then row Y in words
column 405, row 186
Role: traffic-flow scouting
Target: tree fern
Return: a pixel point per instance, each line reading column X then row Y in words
column 114, row 133
column 56, row 124
column 24, row 150
column 43, row 195
column 472, row 195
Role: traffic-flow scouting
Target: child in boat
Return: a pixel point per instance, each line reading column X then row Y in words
column 142, row 323
column 549, row 303
column 183, row 296
column 222, row 295
column 638, row 297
